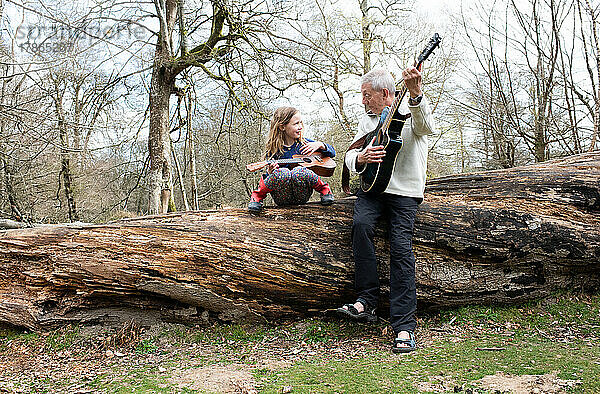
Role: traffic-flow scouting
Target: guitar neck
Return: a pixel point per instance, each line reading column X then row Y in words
column 314, row 159
column 394, row 108
column 431, row 45
column 399, row 97
column 284, row 161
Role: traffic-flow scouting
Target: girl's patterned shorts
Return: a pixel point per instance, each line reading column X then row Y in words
column 291, row 187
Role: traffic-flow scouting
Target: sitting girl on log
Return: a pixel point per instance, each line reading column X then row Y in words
column 290, row 186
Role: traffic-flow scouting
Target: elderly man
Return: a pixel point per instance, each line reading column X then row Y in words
column 398, row 203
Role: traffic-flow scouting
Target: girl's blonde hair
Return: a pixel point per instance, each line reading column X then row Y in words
column 281, row 117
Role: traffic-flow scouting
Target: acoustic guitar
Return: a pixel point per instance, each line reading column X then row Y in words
column 321, row 165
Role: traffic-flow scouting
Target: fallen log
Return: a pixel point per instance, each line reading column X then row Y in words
column 491, row 237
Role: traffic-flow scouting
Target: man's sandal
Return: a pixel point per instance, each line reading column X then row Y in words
column 368, row 315
column 412, row 344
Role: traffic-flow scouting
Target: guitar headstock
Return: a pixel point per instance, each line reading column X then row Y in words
column 431, row 45
column 256, row 166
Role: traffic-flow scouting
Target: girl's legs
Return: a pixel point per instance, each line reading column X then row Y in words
column 290, row 187
column 285, row 187
column 305, row 181
column 309, row 180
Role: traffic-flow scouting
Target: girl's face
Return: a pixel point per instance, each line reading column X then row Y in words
column 293, row 130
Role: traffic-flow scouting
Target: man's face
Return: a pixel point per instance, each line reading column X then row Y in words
column 375, row 100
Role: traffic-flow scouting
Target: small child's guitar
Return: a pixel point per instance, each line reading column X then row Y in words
column 321, row 165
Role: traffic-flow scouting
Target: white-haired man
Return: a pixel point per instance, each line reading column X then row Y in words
column 398, row 203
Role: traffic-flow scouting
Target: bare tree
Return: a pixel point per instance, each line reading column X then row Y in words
column 520, row 101
column 64, row 104
column 65, row 176
column 226, row 28
column 587, row 16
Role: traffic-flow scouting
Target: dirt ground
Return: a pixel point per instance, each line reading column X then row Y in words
column 92, row 359
column 69, row 362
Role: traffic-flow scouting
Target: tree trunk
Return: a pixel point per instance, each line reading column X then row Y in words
column 192, row 147
column 159, row 140
column 492, row 237
column 179, row 179
column 65, row 175
column 367, row 40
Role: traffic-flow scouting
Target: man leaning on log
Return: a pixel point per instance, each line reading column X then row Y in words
column 398, row 203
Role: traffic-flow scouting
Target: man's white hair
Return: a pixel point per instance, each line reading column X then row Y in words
column 379, row 79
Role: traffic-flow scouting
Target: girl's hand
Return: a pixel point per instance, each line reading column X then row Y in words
column 272, row 167
column 311, row 147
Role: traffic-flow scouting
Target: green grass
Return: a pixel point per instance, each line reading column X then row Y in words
column 146, row 346
column 458, row 364
column 557, row 335
column 230, row 333
column 63, row 338
column 141, row 380
column 10, row 333
column 537, row 338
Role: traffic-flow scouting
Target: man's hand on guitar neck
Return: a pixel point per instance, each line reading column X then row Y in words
column 413, row 81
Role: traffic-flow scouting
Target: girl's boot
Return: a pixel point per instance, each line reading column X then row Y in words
column 326, row 194
column 255, row 204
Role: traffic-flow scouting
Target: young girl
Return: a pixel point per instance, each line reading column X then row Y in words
column 295, row 186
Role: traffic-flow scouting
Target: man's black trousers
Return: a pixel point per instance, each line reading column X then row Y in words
column 400, row 212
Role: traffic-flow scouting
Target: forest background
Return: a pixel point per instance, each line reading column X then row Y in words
column 111, row 109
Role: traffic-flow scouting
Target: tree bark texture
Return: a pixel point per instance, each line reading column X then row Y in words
column 491, row 237
column 159, row 141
